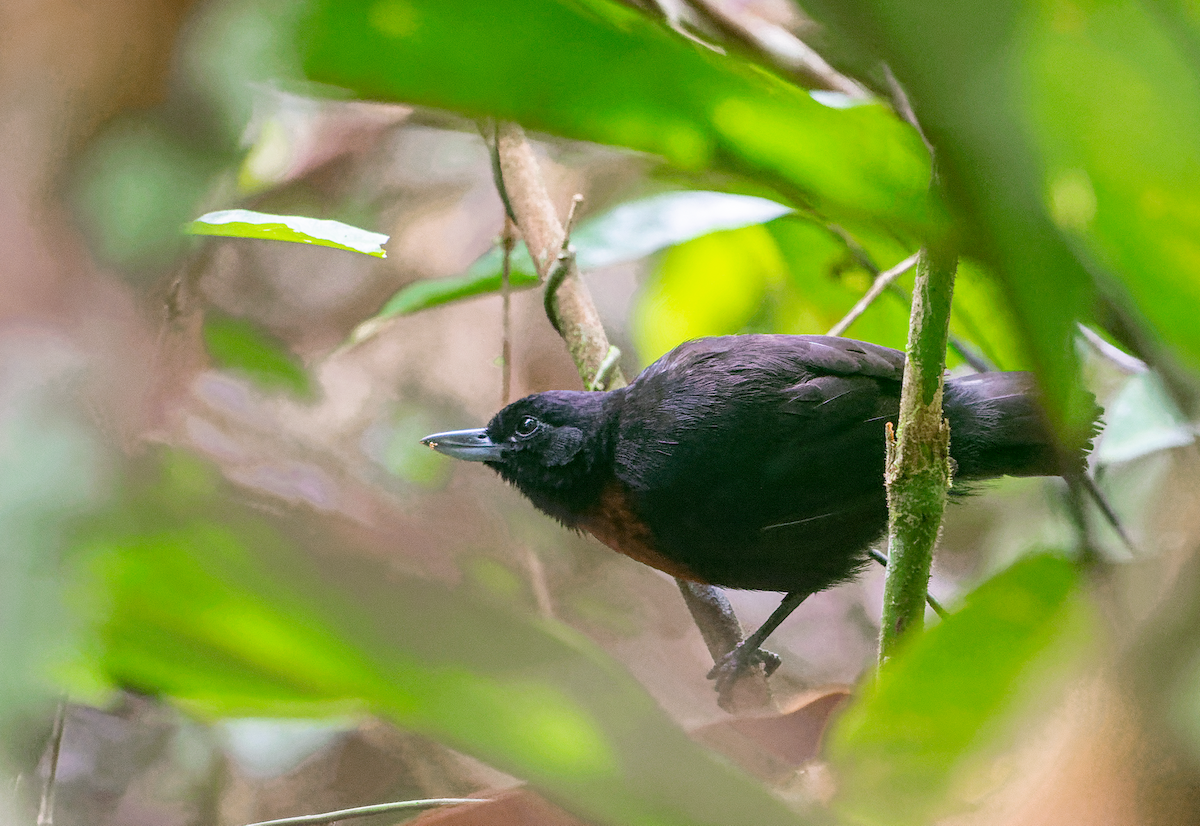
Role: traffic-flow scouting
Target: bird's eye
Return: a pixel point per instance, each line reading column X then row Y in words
column 527, row 426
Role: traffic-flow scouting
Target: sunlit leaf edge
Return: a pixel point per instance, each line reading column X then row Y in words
column 297, row 229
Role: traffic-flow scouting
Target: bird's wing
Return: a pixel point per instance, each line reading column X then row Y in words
column 743, row 445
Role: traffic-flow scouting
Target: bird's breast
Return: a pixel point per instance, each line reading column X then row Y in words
column 615, row 522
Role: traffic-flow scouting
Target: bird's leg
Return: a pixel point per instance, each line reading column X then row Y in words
column 749, row 651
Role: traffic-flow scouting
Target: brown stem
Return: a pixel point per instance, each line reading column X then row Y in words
column 508, row 240
column 543, row 233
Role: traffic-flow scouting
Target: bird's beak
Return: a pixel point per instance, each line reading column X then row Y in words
column 470, row 445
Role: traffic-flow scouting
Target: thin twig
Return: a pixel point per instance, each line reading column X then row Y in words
column 543, row 233
column 722, row 633
column 1106, row 510
column 778, row 46
column 1118, row 357
column 903, row 107
column 669, row 12
column 364, row 811
column 508, row 240
column 606, row 369
column 563, row 266
column 491, row 136
column 881, row 283
column 45, row 815
column 978, row 363
column 929, row 598
column 1085, row 541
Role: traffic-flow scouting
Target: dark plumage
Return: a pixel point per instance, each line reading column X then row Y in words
column 749, row 461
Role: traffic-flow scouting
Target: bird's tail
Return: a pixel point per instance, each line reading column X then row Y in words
column 998, row 428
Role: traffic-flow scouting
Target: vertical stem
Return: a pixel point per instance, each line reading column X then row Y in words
column 543, row 234
column 508, row 241
column 918, row 453
column 45, row 816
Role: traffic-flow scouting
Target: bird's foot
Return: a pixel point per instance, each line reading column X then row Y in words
column 737, row 662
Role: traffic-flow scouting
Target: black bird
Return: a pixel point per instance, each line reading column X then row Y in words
column 751, row 461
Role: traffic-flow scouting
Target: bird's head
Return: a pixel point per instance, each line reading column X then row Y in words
column 546, row 445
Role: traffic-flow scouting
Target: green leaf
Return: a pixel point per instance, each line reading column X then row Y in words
column 1141, row 420
column 981, row 315
column 243, row 223
column 638, row 228
column 628, row 232
column 825, row 281
column 790, row 275
column 596, row 70
column 1120, row 164
column 238, row 345
column 433, row 292
column 937, row 708
column 201, row 600
column 136, row 184
column 641, row 227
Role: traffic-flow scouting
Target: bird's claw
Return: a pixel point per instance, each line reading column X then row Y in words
column 741, row 659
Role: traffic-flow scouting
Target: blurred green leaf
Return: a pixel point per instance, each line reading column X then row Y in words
column 239, row 345
column 53, row 473
column 1142, row 419
column 234, row 56
column 137, row 184
column 628, row 232
column 644, row 226
column 638, row 228
column 790, row 275
column 825, row 281
column 981, row 316
column 244, row 223
column 1111, row 91
column 597, row 70
column 946, row 699
column 211, row 606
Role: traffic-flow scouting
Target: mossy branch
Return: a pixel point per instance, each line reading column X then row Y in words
column 917, row 475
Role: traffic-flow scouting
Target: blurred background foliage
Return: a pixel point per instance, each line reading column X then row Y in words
column 251, row 593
